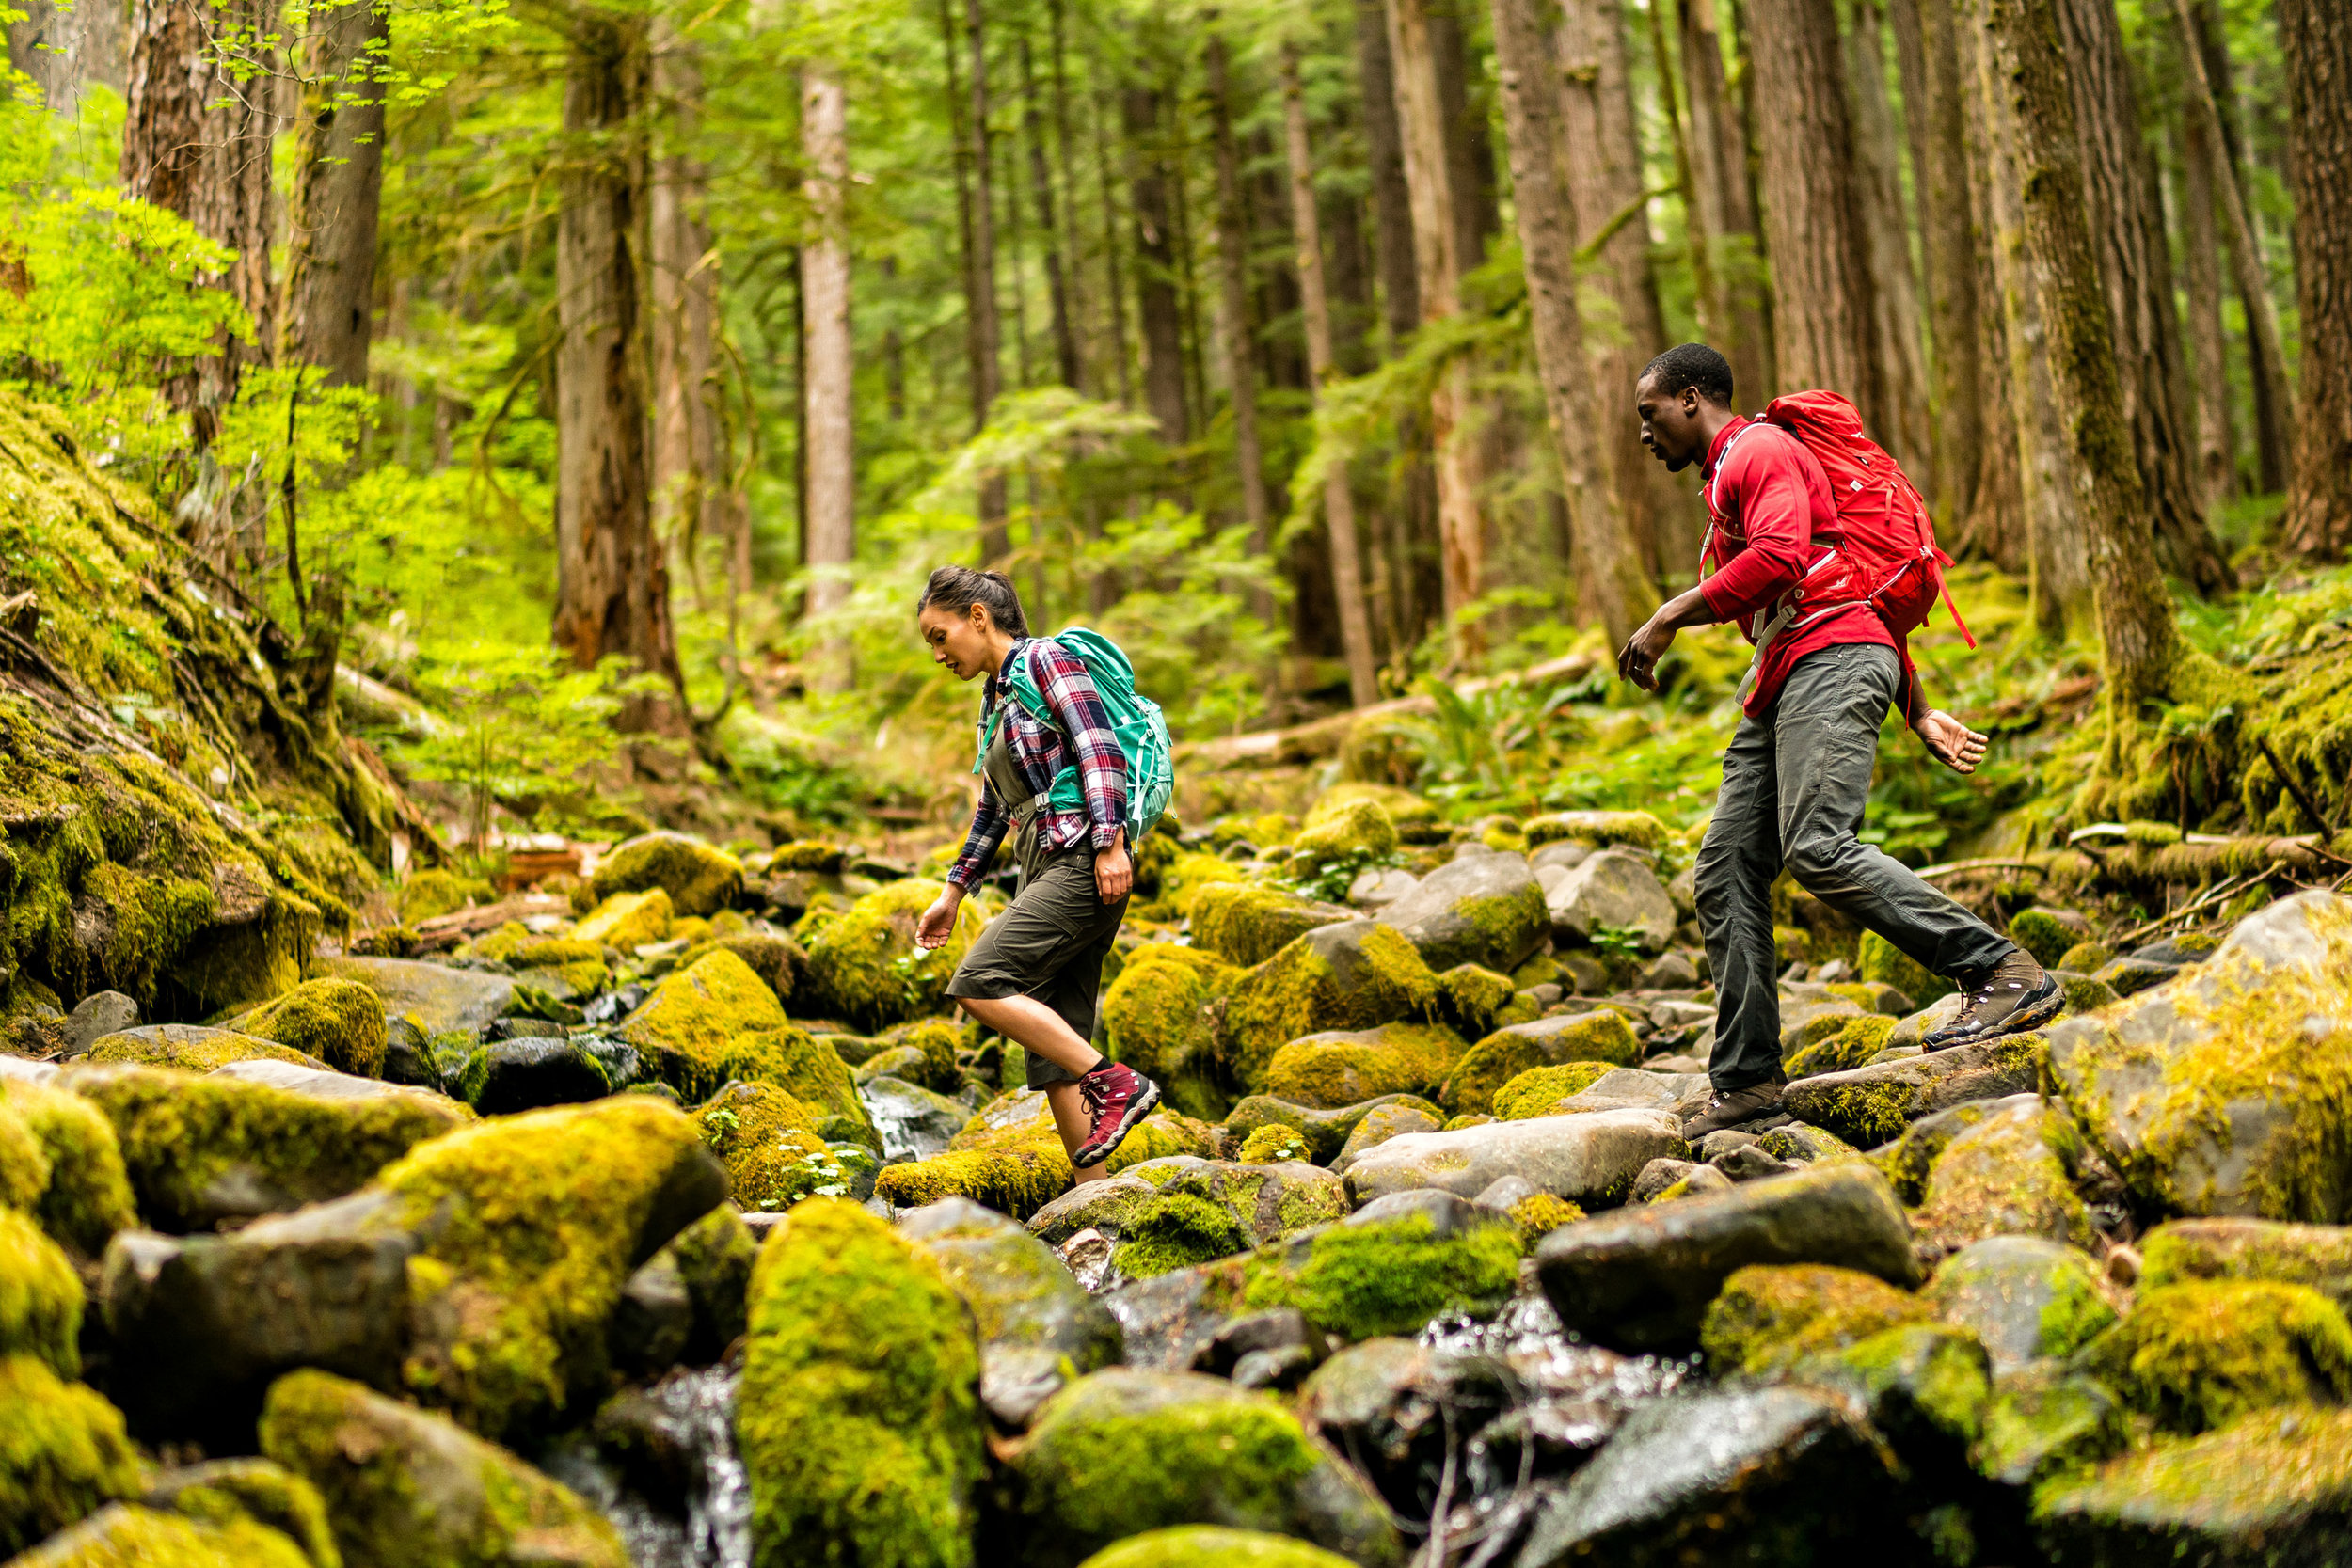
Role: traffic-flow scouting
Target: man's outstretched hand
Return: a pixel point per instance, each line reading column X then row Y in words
column 1637, row 661
column 1950, row 741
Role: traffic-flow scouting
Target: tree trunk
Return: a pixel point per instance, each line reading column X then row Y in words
column 1428, row 176
column 339, row 168
column 2317, row 37
column 1156, row 304
column 1816, row 213
column 67, row 48
column 1525, row 69
column 1114, row 287
column 830, row 522
column 612, row 587
column 1339, row 500
column 1908, row 431
column 1068, row 250
column 1719, row 197
column 1066, row 363
column 985, row 333
column 689, row 504
column 2216, row 467
column 2206, row 93
column 1233, row 266
column 1470, row 152
column 2127, row 229
column 2140, row 647
column 1934, row 108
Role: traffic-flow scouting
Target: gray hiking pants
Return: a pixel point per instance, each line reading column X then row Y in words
column 1794, row 785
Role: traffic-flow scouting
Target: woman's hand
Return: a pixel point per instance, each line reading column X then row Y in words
column 1114, row 873
column 939, row 920
column 1950, row 741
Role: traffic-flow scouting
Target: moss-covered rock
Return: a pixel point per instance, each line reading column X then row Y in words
column 41, row 1297
column 1872, row 1105
column 858, row 1417
column 2046, row 934
column 936, row 1041
column 531, row 1225
column 2276, row 1487
column 1009, row 1157
column 862, row 964
column 767, row 1140
column 1541, row 1213
column 433, row 893
column 1326, row 1131
column 121, row 1534
column 2011, row 1174
column 2198, row 1356
column 1769, row 1317
column 2044, row 1421
column 223, row 1492
column 1357, row 832
column 1473, row 996
column 1600, row 829
column 63, row 1449
column 1380, row 1125
column 1191, row 1545
column 199, row 1150
column 1534, row 1092
column 85, row 1196
column 2026, row 1299
column 1882, row 963
column 700, row 880
column 1926, row 1386
column 2319, row 1255
column 1357, row 975
column 627, row 920
column 1600, row 1036
column 714, row 1257
column 1853, row 1043
column 1175, row 1230
column 340, row 1022
column 191, row 1048
column 1347, row 1068
column 2085, row 957
column 23, row 1162
column 1272, row 1144
column 1157, row 1018
column 1124, row 1451
column 776, row 959
column 408, row 1489
column 1388, row 1276
column 717, row 1021
column 1247, row 923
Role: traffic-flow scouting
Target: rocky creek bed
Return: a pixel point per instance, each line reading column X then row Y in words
column 675, row 1221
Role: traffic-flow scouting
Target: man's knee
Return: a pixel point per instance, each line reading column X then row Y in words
column 1819, row 859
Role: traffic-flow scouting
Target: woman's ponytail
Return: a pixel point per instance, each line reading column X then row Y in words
column 957, row 589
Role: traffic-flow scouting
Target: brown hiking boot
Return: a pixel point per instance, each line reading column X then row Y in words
column 1735, row 1109
column 2017, row 995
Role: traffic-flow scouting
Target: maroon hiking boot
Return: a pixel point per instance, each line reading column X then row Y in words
column 1116, row 1098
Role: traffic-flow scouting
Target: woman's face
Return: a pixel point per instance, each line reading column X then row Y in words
column 958, row 641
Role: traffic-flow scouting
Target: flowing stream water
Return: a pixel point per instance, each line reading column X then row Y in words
column 662, row 1465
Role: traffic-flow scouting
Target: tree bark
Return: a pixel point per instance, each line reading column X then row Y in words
column 1438, row 263
column 612, row 589
column 2216, row 466
column 2140, row 647
column 2317, row 37
column 1157, row 305
column 1718, row 199
column 1338, row 500
column 1066, row 361
column 1114, row 288
column 1470, row 152
column 1908, row 432
column 986, row 336
column 66, row 48
column 1234, row 325
column 339, row 168
column 689, row 504
column 831, row 521
column 1525, row 69
column 1816, row 215
column 1934, row 108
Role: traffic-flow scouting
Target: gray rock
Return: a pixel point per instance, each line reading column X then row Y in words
column 1673, row 972
column 1684, row 891
column 1750, row 1164
column 325, row 1085
column 1485, row 910
column 1721, row 1142
column 1642, row 1278
column 2319, row 1255
column 530, row 1073
column 914, row 1123
column 1564, row 854
column 1170, row 1320
column 1590, row 1160
column 1621, row 1087
column 1104, row 1207
column 1447, row 1214
column 18, row 1069
column 1270, row 1201
column 1505, row 1190
column 2023, row 1297
column 192, row 1047
column 649, row 1327
column 1803, row 1022
column 1038, row 1326
column 2129, row 976
column 1379, row 1126
column 1376, row 888
column 1871, row 1106
column 1782, row 1475
column 100, row 1013
column 1326, row 1131
column 1670, row 1014
column 1393, row 1406
column 1276, row 1341
column 2045, row 1421
column 437, row 999
column 1204, row 1472
column 1659, row 1177
column 1914, row 1027
column 2209, row 1094
column 1613, row 888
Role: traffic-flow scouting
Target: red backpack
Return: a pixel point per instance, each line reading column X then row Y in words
column 1884, row 552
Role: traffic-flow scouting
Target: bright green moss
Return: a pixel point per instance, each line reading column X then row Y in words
column 768, row 1142
column 716, row 1020
column 807, row 855
column 699, row 879
column 2251, row 1483
column 2046, row 1422
column 1883, row 962
column 193, row 1049
column 180, row 1136
column 41, row 1297
column 937, row 1040
column 2084, row 958
column 1247, row 923
column 2198, row 1356
column 1011, row 1158
column 1600, row 1036
column 225, row 1492
column 1301, row 991
column 1474, row 994
column 529, row 1223
column 1932, row 1374
column 1854, row 1041
column 1359, row 830
column 864, row 965
column 1541, row 1213
column 1534, row 1092
column 858, row 1421
column 1157, row 1019
column 1600, row 829
column 1405, row 808
column 714, row 1257
column 2043, row 934
column 1396, row 1059
column 1391, row 1277
column 429, row 893
column 1195, row 1546
column 87, row 1196
column 1769, row 1317
column 1272, row 1144
column 23, row 1162
column 63, row 1452
column 339, row 1022
column 2008, row 1174
column 1176, row 1231
column 627, row 920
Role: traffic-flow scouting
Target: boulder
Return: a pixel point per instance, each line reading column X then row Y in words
column 1379, row 1126
column 1664, row 1180
column 2274, row 1488
column 1599, row 829
column 1881, row 962
column 1037, row 1327
column 1590, row 1160
column 1534, row 1092
column 257, row 1490
column 1390, row 1268
column 2198, row 1356
column 1809, row 1022
column 201, row 1150
column 1102, row 1207
column 1376, row 888
column 190, row 1048
column 1156, row 1017
column 628, row 921
column 2045, row 1421
column 1611, row 891
column 1600, row 1036
column 1397, row 1407
column 1771, row 1315
column 97, row 1015
column 1175, row 1230
column 1169, row 1321
column 1267, row 1201
column 1190, row 1545
column 771, row 1144
column 40, row 1298
column 862, row 964
column 1484, row 910
column 914, row 1122
column 66, row 1455
column 437, row 999
column 1325, row 1131
column 2319, row 1255
column 531, row 1071
column 1340, row 1067
column 1344, row 832
column 1217, row 1455
column 72, row 1179
column 2010, row 1174
column 716, row 1021
column 1872, row 1105
column 713, row 1257
column 339, row 1022
column 122, row 1533
column 1355, row 975
column 1925, row 1387
column 858, row 1418
column 2025, row 1298
column 700, row 880
column 1642, row 1278
column 405, row 1488
column 1247, row 923
column 1009, row 1156
column 2229, row 1089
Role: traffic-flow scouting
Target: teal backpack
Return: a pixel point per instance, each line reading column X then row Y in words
column 1135, row 722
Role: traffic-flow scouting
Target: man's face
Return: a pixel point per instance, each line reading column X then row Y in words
column 1670, row 424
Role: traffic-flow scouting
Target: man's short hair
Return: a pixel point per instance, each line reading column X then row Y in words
column 1692, row 366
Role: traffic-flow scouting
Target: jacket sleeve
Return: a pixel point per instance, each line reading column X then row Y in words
column 1765, row 486
column 1078, row 711
column 989, row 822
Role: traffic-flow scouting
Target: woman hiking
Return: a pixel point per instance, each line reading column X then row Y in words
column 1034, row 973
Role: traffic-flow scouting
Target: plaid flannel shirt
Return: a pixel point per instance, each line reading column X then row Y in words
column 1042, row 751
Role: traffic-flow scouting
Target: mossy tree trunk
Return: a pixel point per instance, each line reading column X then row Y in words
column 2317, row 35
column 1935, row 117
column 1719, row 170
column 339, row 169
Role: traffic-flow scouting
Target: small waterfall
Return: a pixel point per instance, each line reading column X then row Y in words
column 660, row 1463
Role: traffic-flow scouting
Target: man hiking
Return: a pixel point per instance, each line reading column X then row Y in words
column 1828, row 666
column 1034, row 973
